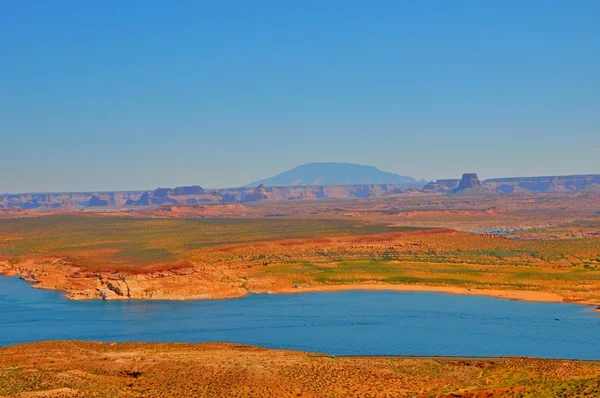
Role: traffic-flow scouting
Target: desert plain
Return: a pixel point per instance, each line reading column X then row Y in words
column 542, row 247
column 92, row 369
column 534, row 247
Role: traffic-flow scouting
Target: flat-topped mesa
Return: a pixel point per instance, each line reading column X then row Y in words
column 166, row 196
column 191, row 190
column 193, row 195
column 571, row 183
column 468, row 181
column 161, row 192
column 178, row 191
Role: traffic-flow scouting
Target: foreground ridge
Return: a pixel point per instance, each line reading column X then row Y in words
column 92, row 369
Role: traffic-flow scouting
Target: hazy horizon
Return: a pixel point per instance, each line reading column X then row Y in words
column 482, row 178
column 113, row 96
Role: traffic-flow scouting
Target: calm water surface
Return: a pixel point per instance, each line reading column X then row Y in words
column 358, row 323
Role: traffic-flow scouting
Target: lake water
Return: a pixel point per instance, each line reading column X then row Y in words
column 492, row 231
column 342, row 323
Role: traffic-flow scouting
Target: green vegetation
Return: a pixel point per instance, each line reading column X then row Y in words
column 372, row 270
column 466, row 275
column 147, row 240
column 287, row 251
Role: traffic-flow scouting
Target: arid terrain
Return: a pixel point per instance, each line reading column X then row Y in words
column 534, row 247
column 309, row 182
column 317, row 199
column 90, row 369
column 540, row 247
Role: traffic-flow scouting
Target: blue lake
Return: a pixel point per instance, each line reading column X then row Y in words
column 341, row 323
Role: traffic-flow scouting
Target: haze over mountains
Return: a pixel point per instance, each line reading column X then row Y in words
column 331, row 173
column 314, row 181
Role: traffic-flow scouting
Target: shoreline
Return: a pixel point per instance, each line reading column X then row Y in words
column 73, row 368
column 238, row 346
column 116, row 286
column 514, row 295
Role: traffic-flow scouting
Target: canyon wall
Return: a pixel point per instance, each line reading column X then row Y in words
column 192, row 195
column 471, row 184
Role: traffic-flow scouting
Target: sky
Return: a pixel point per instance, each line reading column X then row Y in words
column 117, row 95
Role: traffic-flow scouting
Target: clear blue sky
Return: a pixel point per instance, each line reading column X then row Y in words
column 108, row 95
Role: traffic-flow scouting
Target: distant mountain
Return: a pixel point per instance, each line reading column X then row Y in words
column 317, row 181
column 325, row 174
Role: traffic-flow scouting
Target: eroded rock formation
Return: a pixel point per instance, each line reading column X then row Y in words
column 96, row 201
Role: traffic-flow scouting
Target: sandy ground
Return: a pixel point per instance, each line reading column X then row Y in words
column 92, row 369
column 504, row 294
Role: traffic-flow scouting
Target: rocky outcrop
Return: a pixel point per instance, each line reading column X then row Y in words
column 585, row 183
column 31, row 204
column 470, row 182
column 260, row 193
column 192, row 190
column 65, row 200
column 194, row 195
column 96, row 201
column 231, row 198
column 178, row 283
column 441, row 186
column 144, row 200
column 178, row 191
column 161, row 192
column 169, row 196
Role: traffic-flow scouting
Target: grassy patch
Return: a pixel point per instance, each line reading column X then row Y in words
column 148, row 240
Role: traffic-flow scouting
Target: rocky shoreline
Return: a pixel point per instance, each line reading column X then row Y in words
column 191, row 283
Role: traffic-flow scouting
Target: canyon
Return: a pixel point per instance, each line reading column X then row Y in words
column 469, row 184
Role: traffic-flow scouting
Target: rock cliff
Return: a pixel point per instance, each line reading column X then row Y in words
column 587, row 183
column 441, row 186
column 192, row 195
column 96, row 201
column 469, row 183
